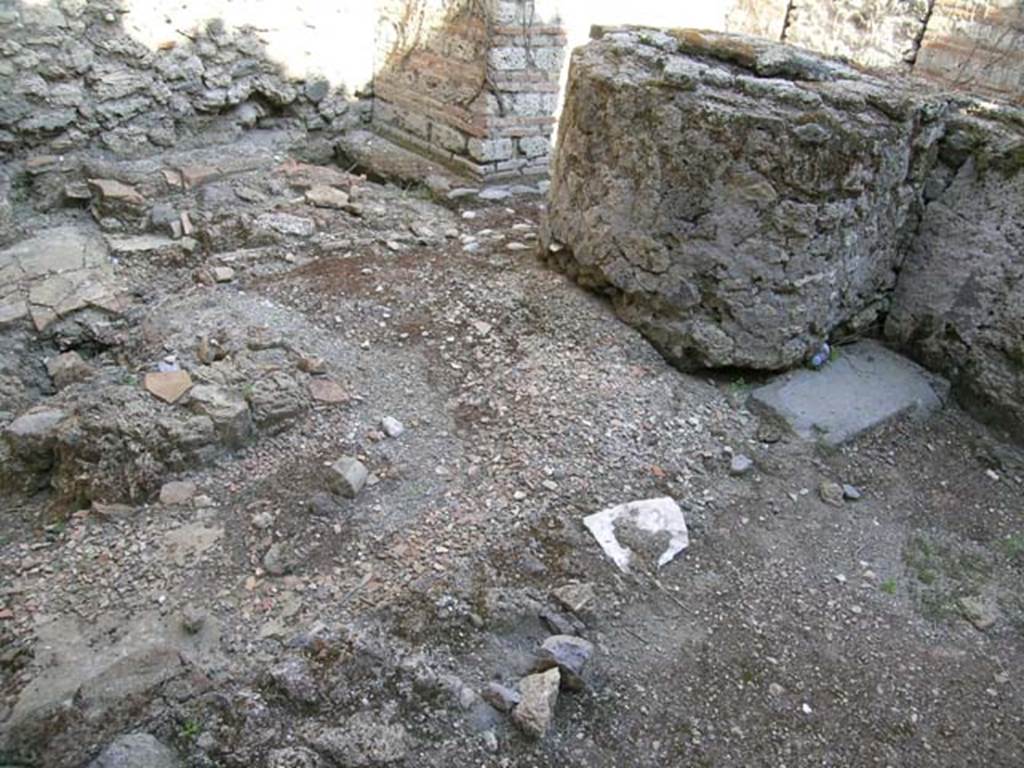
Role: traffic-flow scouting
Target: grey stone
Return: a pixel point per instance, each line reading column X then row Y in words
column 293, row 757
column 570, row 654
column 68, row 368
column 982, row 613
column 137, row 750
column 740, row 464
column 223, row 274
column 494, row 194
column 327, row 197
column 317, row 90
column 32, row 436
column 536, row 708
column 193, row 619
column 275, row 400
column 959, row 304
column 831, row 493
column 562, row 624
column 575, row 597
column 177, row 492
column 865, row 387
column 717, row 229
column 293, row 679
column 347, row 476
column 851, row 492
column 228, row 411
column 391, row 426
column 501, row 698
column 286, row 224
column 366, row 739
column 276, row 561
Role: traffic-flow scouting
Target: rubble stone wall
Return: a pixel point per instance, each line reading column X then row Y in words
column 473, row 83
column 72, row 77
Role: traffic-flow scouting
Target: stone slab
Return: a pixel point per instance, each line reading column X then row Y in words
column 866, row 386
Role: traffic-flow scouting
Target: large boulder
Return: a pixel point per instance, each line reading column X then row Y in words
column 738, row 200
column 959, row 303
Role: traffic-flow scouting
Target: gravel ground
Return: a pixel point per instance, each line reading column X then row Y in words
column 793, row 632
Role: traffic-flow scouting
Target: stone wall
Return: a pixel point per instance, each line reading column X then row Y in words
column 880, row 34
column 741, row 202
column 473, row 83
column 72, row 77
column 976, row 46
column 959, row 304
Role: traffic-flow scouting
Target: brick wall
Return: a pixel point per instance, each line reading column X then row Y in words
column 473, row 83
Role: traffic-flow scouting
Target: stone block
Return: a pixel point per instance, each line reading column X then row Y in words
column 876, row 35
column 865, row 387
column 490, row 150
column 739, row 200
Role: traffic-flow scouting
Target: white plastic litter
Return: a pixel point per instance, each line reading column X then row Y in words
column 651, row 515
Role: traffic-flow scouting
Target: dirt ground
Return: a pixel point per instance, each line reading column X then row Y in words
column 883, row 631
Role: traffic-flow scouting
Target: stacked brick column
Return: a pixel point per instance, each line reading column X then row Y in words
column 472, row 83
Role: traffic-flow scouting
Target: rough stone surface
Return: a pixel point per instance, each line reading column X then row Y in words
column 570, row 654
column 365, row 740
column 536, row 708
column 177, row 492
column 347, row 476
column 738, row 200
column 137, row 750
column 501, row 698
column 90, row 82
column 959, row 304
column 68, row 368
column 881, row 34
column 867, row 386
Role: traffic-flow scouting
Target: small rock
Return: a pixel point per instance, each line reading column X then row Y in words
column 193, row 619
column 775, row 690
column 323, row 505
column 315, row 366
column 769, row 432
column 327, row 197
column 168, row 386
column 570, row 654
column 560, row 624
column 851, row 492
column 293, row 679
column 327, row 391
column 392, row 427
column 501, row 698
column 275, row 561
column 135, row 750
column 982, row 613
column 365, row 740
column 575, row 597
column 177, row 492
column 347, row 476
column 538, row 697
column 67, row 369
column 33, row 436
column 740, row 465
column 223, row 274
column 831, row 493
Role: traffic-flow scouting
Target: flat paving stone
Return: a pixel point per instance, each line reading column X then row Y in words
column 865, row 387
